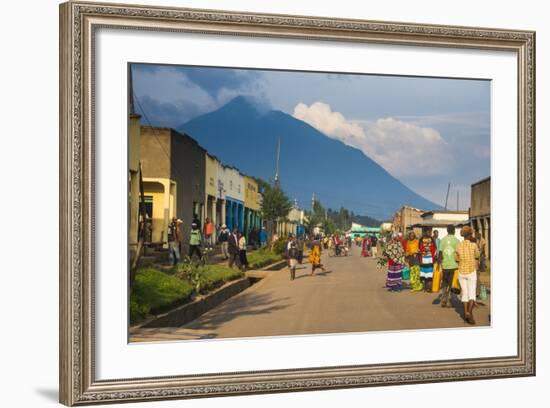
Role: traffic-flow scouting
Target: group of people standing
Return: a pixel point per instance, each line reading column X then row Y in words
column 233, row 243
column 370, row 245
column 449, row 255
column 339, row 244
column 176, row 239
column 234, row 246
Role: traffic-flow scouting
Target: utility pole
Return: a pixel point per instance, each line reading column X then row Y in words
column 457, row 207
column 277, row 181
column 447, row 198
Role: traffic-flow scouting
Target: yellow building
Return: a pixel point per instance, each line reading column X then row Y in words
column 160, row 204
column 214, row 191
column 134, row 141
column 158, row 187
column 251, row 194
column 252, row 205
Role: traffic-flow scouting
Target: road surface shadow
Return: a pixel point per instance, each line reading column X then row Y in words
column 325, row 273
column 459, row 308
column 247, row 304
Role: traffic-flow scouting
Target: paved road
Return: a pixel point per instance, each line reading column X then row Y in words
column 349, row 297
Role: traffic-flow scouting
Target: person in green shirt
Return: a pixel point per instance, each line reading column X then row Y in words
column 447, row 250
column 195, row 240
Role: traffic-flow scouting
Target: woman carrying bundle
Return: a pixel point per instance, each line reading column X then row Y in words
column 315, row 256
column 396, row 261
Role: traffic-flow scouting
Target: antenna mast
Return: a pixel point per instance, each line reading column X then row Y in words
column 277, row 181
column 447, row 198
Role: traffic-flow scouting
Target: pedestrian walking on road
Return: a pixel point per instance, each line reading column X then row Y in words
column 242, row 252
column 195, row 240
column 315, row 256
column 373, row 246
column 174, row 240
column 396, row 261
column 427, row 259
column 233, row 247
column 262, row 236
column 365, row 247
column 412, row 256
column 292, row 256
column 223, row 239
column 437, row 242
column 208, row 232
column 448, row 254
column 467, row 255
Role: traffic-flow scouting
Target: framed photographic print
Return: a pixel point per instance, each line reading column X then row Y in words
column 256, row 203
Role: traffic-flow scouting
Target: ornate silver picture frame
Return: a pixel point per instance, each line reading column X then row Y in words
column 78, row 24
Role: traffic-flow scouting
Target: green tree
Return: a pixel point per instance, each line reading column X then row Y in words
column 275, row 205
column 344, row 219
column 315, row 218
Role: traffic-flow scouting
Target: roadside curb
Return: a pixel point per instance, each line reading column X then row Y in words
column 190, row 311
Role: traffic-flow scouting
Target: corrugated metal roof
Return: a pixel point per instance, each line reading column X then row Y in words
column 440, row 223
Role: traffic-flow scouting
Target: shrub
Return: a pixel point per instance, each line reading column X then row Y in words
column 155, row 291
column 205, row 277
column 214, row 275
column 262, row 257
column 137, row 311
column 279, row 246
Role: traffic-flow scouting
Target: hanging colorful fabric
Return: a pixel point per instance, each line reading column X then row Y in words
column 406, row 273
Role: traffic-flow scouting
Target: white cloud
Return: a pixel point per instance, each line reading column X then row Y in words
column 402, row 148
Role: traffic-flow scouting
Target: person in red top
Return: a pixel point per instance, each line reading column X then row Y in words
column 364, row 247
column 402, row 240
column 427, row 259
column 208, row 233
column 337, row 244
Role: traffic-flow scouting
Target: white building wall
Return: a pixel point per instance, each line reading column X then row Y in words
column 234, row 185
column 222, row 181
column 448, row 216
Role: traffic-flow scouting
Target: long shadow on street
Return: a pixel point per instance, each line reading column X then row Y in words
column 246, row 304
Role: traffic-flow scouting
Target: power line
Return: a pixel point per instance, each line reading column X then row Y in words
column 151, row 126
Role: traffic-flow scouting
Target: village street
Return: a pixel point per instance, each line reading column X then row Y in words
column 348, row 297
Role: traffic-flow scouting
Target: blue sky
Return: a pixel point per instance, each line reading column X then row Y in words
column 427, row 132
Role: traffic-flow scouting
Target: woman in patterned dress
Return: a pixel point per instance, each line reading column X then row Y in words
column 396, row 261
column 427, row 259
column 411, row 253
column 315, row 256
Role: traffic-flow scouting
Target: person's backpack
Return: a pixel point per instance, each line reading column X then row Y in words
column 293, row 251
